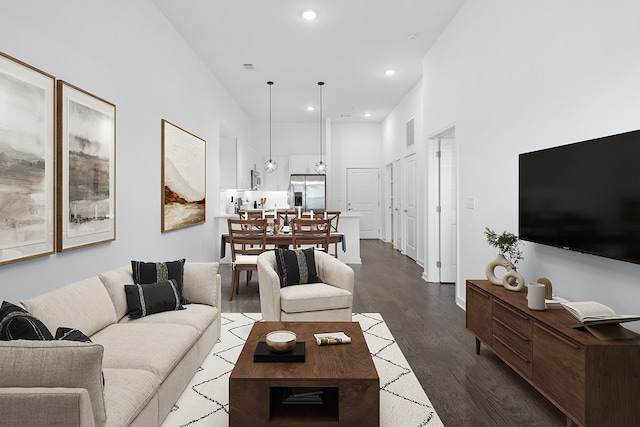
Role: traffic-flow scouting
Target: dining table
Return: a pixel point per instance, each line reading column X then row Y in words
column 283, row 240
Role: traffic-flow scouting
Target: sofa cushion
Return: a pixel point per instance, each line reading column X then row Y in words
column 200, row 279
column 152, row 272
column 314, row 297
column 114, row 282
column 147, row 299
column 198, row 316
column 18, row 324
column 83, row 305
column 296, row 267
column 134, row 345
column 126, row 393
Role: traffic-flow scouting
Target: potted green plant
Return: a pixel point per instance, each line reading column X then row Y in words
column 508, row 245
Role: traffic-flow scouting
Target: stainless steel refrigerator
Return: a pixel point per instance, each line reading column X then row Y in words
column 308, row 192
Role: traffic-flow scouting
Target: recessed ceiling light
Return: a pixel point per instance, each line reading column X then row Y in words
column 367, row 114
column 309, row 14
column 390, row 72
column 311, row 108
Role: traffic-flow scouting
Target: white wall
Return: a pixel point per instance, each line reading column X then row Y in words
column 517, row 76
column 353, row 145
column 127, row 53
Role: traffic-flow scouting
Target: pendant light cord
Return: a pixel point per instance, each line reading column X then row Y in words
column 270, row 84
column 320, row 84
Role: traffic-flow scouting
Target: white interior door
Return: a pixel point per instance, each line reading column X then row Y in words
column 387, row 223
column 410, row 210
column 448, row 211
column 363, row 197
column 397, row 206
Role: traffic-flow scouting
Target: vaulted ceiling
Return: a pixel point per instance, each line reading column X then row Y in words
column 350, row 44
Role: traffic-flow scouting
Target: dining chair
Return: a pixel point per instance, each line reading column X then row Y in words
column 247, row 239
column 334, row 217
column 311, row 232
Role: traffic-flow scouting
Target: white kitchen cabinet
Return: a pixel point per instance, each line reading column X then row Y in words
column 302, row 163
column 244, row 164
column 247, row 159
column 228, row 162
column 278, row 180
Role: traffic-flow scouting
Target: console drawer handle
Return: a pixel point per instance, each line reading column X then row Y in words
column 560, row 337
column 513, row 350
column 518, row 334
column 522, row 316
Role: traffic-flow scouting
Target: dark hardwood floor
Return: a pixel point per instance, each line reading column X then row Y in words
column 465, row 389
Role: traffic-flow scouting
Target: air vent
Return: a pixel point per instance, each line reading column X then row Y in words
column 248, row 67
column 345, row 116
column 410, row 132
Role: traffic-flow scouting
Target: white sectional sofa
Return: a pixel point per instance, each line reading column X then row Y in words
column 134, row 370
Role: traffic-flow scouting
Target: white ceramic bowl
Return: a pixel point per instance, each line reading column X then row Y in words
column 281, row 341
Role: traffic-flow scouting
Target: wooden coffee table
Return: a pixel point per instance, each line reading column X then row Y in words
column 345, row 372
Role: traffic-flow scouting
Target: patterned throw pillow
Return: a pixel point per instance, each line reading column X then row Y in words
column 145, row 273
column 151, row 298
column 296, row 267
column 70, row 334
column 16, row 323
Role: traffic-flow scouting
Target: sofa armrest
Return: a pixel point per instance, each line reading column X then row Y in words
column 39, row 406
column 202, row 283
column 334, row 272
column 269, row 284
column 54, row 364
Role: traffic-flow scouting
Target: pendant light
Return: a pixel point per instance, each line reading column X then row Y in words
column 270, row 165
column 321, row 167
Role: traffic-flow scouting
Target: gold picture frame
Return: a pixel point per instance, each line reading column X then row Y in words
column 86, row 169
column 183, row 178
column 27, row 161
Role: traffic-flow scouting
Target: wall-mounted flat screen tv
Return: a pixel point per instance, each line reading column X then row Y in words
column 584, row 196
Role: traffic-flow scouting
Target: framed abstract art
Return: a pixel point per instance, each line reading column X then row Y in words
column 27, row 161
column 183, row 178
column 86, row 169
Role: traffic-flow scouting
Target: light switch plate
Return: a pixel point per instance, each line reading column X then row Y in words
column 470, row 203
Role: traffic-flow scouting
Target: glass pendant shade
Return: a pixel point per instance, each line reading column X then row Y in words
column 320, row 168
column 270, row 165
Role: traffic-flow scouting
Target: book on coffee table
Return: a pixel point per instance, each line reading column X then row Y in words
column 330, row 338
column 302, row 396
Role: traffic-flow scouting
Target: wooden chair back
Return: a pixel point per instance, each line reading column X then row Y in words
column 247, row 237
column 311, row 232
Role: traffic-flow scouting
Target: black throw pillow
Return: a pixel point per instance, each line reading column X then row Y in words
column 145, row 273
column 70, row 334
column 296, row 267
column 16, row 323
column 151, row 298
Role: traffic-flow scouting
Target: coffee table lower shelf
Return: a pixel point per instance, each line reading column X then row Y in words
column 344, row 404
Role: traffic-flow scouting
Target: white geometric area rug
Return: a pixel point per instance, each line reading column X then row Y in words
column 205, row 402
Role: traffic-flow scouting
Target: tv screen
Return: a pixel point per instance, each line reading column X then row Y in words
column 584, row 196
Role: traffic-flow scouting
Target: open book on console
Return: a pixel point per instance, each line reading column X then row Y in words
column 594, row 313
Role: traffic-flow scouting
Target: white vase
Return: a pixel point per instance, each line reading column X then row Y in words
column 513, row 281
column 498, row 261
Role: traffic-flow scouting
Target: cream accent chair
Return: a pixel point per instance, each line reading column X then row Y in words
column 330, row 300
